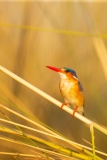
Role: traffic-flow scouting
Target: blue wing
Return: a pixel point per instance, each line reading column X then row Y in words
column 80, row 86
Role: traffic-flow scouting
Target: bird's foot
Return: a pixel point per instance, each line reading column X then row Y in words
column 74, row 111
column 63, row 105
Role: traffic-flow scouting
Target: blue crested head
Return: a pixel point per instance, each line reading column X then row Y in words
column 70, row 70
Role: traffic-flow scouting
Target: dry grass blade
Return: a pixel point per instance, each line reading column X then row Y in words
column 53, row 30
column 47, row 134
column 92, row 137
column 15, row 155
column 68, row 154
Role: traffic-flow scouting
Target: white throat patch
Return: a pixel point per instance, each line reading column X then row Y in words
column 62, row 75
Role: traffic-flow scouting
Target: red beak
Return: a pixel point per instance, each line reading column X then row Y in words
column 54, row 69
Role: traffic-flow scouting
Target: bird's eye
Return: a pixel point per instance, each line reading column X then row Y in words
column 67, row 71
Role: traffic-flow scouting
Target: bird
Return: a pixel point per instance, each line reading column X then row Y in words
column 71, row 89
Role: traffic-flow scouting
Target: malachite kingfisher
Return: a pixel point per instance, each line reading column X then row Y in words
column 71, row 89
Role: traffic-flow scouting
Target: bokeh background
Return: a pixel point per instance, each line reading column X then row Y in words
column 72, row 34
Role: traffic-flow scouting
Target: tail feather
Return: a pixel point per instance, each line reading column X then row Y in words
column 81, row 111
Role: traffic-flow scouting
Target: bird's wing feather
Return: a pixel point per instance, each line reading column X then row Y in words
column 80, row 86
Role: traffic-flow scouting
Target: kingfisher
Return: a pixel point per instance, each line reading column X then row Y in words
column 71, row 89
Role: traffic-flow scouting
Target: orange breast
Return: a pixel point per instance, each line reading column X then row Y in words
column 71, row 92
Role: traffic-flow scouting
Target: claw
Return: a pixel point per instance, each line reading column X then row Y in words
column 75, row 111
column 63, row 105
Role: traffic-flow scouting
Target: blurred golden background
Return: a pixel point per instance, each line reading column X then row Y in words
column 71, row 34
